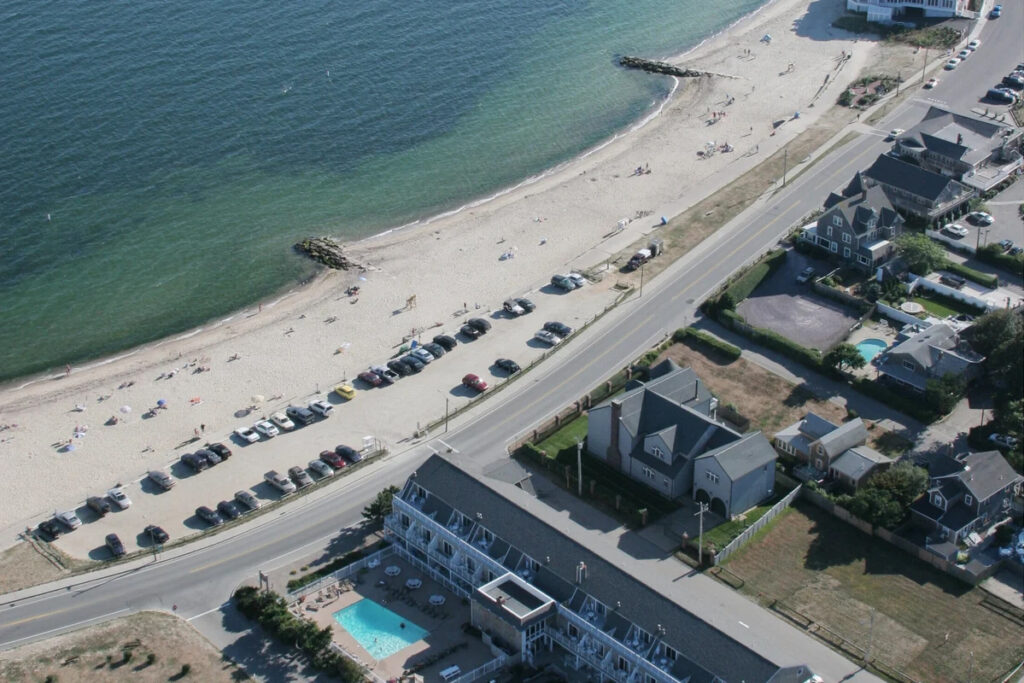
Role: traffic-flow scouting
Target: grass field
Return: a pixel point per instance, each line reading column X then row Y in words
column 925, row 623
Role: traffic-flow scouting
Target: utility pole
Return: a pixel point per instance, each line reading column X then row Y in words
column 641, row 280
column 785, row 164
column 700, row 540
column 924, row 65
column 579, row 468
column 898, row 79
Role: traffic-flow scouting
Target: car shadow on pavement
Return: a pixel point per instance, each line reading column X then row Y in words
column 260, row 655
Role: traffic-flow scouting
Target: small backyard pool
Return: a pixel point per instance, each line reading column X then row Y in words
column 378, row 630
column 869, row 348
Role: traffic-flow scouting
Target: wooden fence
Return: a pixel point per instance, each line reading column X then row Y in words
column 738, row 542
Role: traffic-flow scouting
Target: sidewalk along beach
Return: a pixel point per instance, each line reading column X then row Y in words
column 298, row 344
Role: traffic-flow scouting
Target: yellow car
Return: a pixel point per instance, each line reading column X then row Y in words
column 345, row 391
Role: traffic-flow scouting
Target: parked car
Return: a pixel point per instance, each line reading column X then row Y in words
column 895, row 133
column 932, row 82
column 805, row 275
column 282, row 421
column 508, row 365
column 474, row 382
column 414, row 363
column 321, row 468
column 1014, row 81
column 1005, row 245
column 209, row 456
column 955, row 229
column 279, row 482
column 561, row 329
column 436, row 350
column 526, row 304
column 114, row 545
column 156, row 534
column 980, row 218
column 228, row 509
column 1003, row 95
column 161, row 479
column 952, row 64
column 480, row 324
column 345, row 391
column 577, row 279
column 386, row 375
column 511, row 307
column 220, row 449
column 470, row 331
column 98, row 504
column 350, row 454
column 974, row 45
column 1003, row 440
column 445, row 341
column 321, row 408
column 300, row 415
column 546, row 337
column 50, row 529
column 370, row 378
column 300, row 477
column 950, row 280
column 209, row 516
column 422, row 355
column 963, row 54
column 194, row 461
column 247, row 499
column 399, row 367
column 1016, row 251
column 563, row 282
column 247, row 434
column 332, row 459
column 69, row 519
column 119, row 498
column 266, row 428
column 996, row 12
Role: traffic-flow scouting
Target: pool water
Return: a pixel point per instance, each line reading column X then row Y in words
column 378, row 630
column 869, row 348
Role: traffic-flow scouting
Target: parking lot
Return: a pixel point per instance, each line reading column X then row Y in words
column 1007, row 224
column 791, row 309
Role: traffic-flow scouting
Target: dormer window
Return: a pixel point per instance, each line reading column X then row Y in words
column 938, row 501
column 657, row 452
column 908, row 365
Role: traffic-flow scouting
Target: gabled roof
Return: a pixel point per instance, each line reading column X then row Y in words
column 861, row 208
column 850, row 434
column 658, row 400
column 987, row 473
column 859, row 461
column 815, row 426
column 899, row 174
column 957, row 136
column 705, row 648
column 938, row 348
column 739, row 458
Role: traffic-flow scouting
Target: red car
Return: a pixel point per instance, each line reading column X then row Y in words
column 333, row 459
column 370, row 378
column 474, row 382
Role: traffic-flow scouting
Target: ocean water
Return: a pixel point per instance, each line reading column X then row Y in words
column 158, row 160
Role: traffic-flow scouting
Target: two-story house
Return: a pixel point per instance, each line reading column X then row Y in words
column 859, row 229
column 656, row 430
column 735, row 477
column 931, row 353
column 890, row 11
column 831, row 450
column 967, row 493
column 912, row 189
column 980, row 154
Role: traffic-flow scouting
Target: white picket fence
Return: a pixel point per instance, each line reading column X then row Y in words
column 738, row 542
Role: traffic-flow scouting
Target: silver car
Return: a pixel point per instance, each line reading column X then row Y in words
column 161, row 479
column 69, row 519
column 321, row 468
column 422, row 354
column 248, row 500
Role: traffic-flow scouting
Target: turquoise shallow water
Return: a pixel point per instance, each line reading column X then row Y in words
column 378, row 630
column 160, row 159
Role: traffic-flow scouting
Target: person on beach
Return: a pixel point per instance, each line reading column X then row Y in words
column 67, row 369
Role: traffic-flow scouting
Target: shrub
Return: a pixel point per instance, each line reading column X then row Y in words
column 994, row 254
column 984, row 279
column 701, row 338
column 186, row 669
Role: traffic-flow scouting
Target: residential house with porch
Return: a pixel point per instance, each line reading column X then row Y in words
column 539, row 597
column 967, row 493
column 981, row 154
column 927, row 354
column 860, row 229
column 891, row 11
column 828, row 450
column 912, row 189
column 656, row 431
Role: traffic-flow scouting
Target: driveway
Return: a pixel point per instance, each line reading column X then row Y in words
column 1004, row 209
column 791, row 309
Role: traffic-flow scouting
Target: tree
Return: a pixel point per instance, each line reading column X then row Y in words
column 921, row 254
column 943, row 394
column 903, row 481
column 844, row 356
column 877, row 507
column 380, row 508
column 994, row 329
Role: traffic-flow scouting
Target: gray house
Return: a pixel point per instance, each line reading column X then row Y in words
column 655, row 431
column 931, row 353
column 967, row 493
column 855, row 465
column 735, row 477
column 911, row 188
column 859, row 229
column 832, row 450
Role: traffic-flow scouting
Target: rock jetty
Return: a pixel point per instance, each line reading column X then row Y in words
column 326, row 251
column 654, row 67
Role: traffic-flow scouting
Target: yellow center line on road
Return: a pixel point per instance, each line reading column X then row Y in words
column 231, row 558
column 37, row 617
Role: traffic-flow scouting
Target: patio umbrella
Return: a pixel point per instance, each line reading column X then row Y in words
column 258, row 398
column 161, row 403
column 126, row 409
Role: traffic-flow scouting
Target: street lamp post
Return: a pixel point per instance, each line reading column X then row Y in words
column 700, row 538
column 641, row 281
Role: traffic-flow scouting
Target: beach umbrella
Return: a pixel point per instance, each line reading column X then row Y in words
column 258, row 398
column 161, row 403
column 126, row 409
column 70, row 447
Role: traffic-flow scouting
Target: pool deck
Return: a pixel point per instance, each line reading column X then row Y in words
column 443, row 623
column 871, row 330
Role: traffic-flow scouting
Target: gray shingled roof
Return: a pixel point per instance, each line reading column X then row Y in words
column 938, row 349
column 848, row 435
column 694, row 639
column 860, row 208
column 939, row 131
column 987, row 473
column 859, row 461
column 891, row 171
column 739, row 458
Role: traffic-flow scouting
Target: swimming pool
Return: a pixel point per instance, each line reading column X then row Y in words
column 378, row 630
column 869, row 348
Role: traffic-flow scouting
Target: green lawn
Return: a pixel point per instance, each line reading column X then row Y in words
column 919, row 620
column 722, row 534
column 934, row 307
column 566, row 437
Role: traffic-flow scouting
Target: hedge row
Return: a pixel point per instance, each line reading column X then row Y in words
column 329, row 568
column 984, row 279
column 740, row 288
column 994, row 254
column 271, row 611
column 914, row 407
column 702, row 338
column 773, row 340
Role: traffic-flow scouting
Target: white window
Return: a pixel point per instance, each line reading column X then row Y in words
column 648, row 472
column 712, row 476
column 667, row 483
column 846, row 238
column 908, row 365
column 846, row 252
column 835, row 247
column 657, row 452
column 863, row 259
column 837, row 220
column 968, row 500
column 828, row 231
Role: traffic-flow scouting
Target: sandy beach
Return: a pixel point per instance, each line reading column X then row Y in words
column 301, row 343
